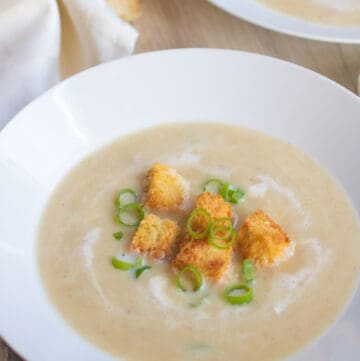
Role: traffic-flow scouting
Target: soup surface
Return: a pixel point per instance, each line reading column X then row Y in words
column 331, row 12
column 149, row 318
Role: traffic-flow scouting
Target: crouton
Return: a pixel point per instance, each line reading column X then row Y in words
column 215, row 205
column 156, row 237
column 211, row 262
column 165, row 189
column 262, row 240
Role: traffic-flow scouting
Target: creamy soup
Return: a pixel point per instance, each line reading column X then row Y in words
column 149, row 318
column 331, row 12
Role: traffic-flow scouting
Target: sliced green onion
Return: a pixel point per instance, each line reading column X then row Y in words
column 213, row 240
column 139, row 262
column 198, row 212
column 231, row 193
column 238, row 294
column 213, row 183
column 214, row 232
column 196, row 275
column 218, row 225
column 225, row 190
column 121, row 265
column 236, row 196
column 248, row 270
column 140, row 270
column 130, row 214
column 123, row 195
column 118, row 235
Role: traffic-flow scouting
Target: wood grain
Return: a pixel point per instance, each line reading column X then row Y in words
column 167, row 24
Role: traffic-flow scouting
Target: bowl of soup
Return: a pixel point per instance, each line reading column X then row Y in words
column 326, row 20
column 204, row 209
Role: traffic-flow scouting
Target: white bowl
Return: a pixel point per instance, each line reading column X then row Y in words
column 81, row 114
column 258, row 14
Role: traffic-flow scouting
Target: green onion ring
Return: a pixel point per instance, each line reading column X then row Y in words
column 197, row 274
column 218, row 182
column 248, row 270
column 231, row 193
column 212, row 240
column 121, row 193
column 128, row 208
column 139, row 262
column 118, row 235
column 213, row 232
column 193, row 214
column 236, row 196
column 214, row 228
column 247, row 297
column 121, row 265
column 140, row 270
column 225, row 190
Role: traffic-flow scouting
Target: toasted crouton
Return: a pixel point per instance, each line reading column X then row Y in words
column 155, row 236
column 165, row 189
column 212, row 262
column 214, row 204
column 262, row 240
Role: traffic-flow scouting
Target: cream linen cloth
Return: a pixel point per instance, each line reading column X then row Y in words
column 44, row 41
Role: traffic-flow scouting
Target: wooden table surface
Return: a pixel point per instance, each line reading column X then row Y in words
column 167, row 24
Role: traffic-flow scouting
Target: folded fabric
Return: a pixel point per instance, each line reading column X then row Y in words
column 42, row 41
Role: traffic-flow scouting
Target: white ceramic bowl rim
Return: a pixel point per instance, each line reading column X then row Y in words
column 259, row 14
column 95, row 107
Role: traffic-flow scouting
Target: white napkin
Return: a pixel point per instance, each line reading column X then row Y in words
column 42, row 41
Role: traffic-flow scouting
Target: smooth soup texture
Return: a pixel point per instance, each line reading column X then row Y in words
column 329, row 12
column 149, row 318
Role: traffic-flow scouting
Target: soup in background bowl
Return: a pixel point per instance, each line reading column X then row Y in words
column 330, row 12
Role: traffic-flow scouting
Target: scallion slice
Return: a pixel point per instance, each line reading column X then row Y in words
column 198, row 212
column 219, row 226
column 125, row 196
column 213, row 186
column 238, row 294
column 236, row 196
column 118, row 235
column 130, row 214
column 226, row 189
column 248, row 270
column 139, row 262
column 231, row 193
column 219, row 242
column 140, row 270
column 195, row 275
column 120, row 264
